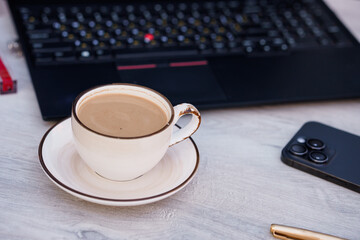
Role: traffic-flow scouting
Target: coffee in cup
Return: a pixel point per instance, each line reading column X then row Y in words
column 121, row 115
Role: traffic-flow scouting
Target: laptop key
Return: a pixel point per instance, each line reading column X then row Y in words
column 236, row 50
column 52, row 47
column 233, row 44
column 43, row 57
column 273, row 33
column 135, row 44
column 248, row 43
column 218, row 45
column 103, row 54
column 266, row 48
column 46, row 40
column 32, row 29
column 340, row 39
column 305, row 43
column 284, row 47
column 64, row 56
column 85, row 55
column 40, row 35
column 256, row 32
column 45, row 19
column 153, row 44
column 249, row 49
column 325, row 41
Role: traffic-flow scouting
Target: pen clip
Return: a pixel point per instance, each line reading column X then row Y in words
column 281, row 236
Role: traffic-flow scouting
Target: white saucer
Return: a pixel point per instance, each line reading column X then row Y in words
column 66, row 169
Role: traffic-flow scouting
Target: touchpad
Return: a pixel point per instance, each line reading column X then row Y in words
column 179, row 82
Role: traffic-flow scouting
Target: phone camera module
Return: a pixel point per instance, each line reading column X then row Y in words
column 298, row 150
column 315, row 144
column 318, row 157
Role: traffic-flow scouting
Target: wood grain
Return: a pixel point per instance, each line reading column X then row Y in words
column 241, row 187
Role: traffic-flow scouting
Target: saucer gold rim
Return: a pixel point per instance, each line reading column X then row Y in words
column 109, row 200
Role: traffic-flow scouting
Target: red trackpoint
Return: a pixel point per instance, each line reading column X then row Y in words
column 148, row 37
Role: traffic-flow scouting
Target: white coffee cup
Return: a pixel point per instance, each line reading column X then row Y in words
column 126, row 158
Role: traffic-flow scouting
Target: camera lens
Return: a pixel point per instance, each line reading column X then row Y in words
column 315, row 144
column 298, row 149
column 318, row 157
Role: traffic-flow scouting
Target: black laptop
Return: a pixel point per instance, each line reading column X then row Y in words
column 210, row 53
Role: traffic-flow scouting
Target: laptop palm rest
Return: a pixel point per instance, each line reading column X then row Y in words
column 186, row 81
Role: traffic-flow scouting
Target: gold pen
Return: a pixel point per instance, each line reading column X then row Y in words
column 292, row 233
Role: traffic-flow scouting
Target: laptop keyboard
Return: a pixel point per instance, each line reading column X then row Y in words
column 82, row 33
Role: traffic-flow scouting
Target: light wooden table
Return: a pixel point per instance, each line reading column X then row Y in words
column 240, row 189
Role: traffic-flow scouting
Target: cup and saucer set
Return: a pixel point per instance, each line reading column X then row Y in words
column 121, row 171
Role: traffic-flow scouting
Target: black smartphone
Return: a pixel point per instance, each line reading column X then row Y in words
column 326, row 152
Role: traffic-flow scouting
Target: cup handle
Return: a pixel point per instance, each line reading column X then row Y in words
column 185, row 132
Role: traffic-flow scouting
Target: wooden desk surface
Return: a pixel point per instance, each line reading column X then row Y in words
column 240, row 189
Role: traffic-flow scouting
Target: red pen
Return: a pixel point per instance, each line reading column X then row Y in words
column 8, row 85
